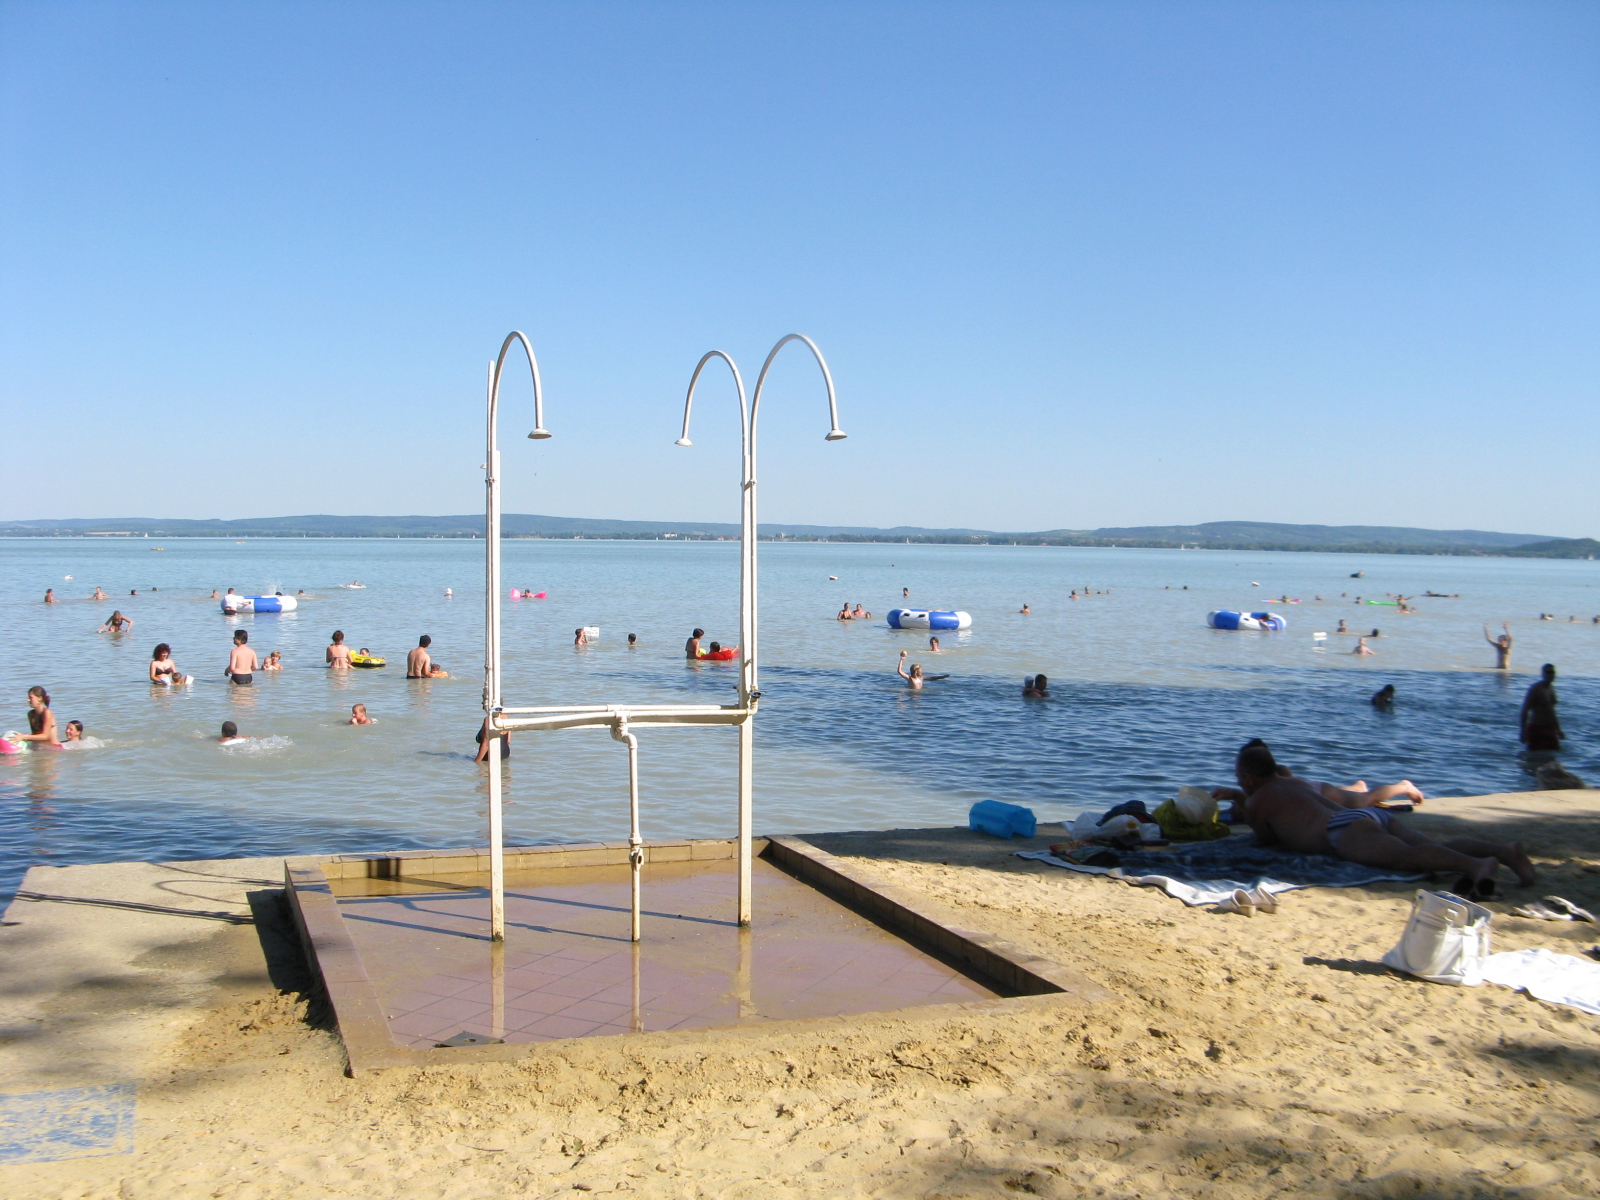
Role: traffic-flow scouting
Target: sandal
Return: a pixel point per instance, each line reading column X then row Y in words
column 1239, row 902
column 1264, row 900
column 1568, row 910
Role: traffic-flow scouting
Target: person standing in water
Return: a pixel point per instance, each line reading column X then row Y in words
column 484, row 741
column 242, row 661
column 1362, row 647
column 1501, row 644
column 691, row 648
column 49, row 595
column 419, row 660
column 116, row 623
column 338, row 654
column 1540, row 728
column 163, row 671
column 99, row 594
column 41, row 721
column 914, row 678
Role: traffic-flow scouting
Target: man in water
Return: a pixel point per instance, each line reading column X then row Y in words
column 49, row 595
column 419, row 660
column 691, row 648
column 338, row 654
column 1501, row 644
column 242, row 661
column 1541, row 729
column 230, row 734
column 1294, row 813
column 1362, row 647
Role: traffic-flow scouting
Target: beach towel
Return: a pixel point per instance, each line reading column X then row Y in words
column 1557, row 978
column 1208, row 873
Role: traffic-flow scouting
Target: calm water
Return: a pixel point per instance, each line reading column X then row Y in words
column 1144, row 696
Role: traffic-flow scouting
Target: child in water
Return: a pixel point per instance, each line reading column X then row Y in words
column 230, row 734
column 358, row 716
column 274, row 661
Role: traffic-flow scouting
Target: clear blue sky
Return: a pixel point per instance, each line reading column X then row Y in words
column 1073, row 264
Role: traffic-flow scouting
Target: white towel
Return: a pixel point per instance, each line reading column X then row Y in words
column 1558, row 978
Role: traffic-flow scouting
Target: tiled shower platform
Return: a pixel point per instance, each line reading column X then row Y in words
column 568, row 969
column 402, row 945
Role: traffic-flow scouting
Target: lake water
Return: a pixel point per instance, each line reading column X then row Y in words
column 1144, row 696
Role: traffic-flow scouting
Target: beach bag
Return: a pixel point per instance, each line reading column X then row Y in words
column 1445, row 941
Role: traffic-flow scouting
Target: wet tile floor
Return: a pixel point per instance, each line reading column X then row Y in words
column 567, row 968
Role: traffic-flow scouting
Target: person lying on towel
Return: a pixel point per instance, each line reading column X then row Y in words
column 1295, row 814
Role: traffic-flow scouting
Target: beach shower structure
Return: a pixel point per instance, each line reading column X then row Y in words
column 622, row 719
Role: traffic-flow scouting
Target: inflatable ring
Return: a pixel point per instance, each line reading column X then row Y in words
column 1228, row 619
column 367, row 660
column 260, row 604
column 928, row 618
column 728, row 654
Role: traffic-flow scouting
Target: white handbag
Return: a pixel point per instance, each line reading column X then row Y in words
column 1445, row 941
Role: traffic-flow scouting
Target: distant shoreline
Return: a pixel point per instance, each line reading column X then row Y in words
column 1575, row 548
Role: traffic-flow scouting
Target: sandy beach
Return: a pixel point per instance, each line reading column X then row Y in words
column 1270, row 1056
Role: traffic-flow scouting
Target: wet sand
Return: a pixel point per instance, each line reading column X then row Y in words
column 1257, row 1057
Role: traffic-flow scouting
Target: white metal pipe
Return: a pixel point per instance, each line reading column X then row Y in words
column 622, row 733
column 491, row 635
column 749, row 679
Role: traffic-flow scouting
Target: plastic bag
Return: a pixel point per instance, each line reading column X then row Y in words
column 1196, row 805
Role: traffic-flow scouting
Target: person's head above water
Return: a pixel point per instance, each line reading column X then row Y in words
column 229, row 730
column 241, row 636
column 1041, row 683
column 161, row 651
column 424, row 641
column 74, row 731
column 338, row 636
column 1255, row 765
column 1549, row 672
column 38, row 693
column 698, row 633
column 633, row 639
column 716, row 647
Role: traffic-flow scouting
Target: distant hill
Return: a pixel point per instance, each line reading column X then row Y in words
column 1213, row 535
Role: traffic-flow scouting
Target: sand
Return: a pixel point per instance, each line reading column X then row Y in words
column 1269, row 1056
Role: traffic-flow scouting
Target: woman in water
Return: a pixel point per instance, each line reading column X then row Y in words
column 484, row 739
column 41, row 721
column 49, row 595
column 116, row 623
column 274, row 661
column 74, row 731
column 580, row 636
column 163, row 671
column 933, row 646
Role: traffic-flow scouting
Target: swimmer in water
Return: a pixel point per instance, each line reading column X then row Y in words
column 844, row 613
column 905, row 593
column 99, row 594
column 50, row 595
column 1026, row 611
column 358, row 715
column 274, row 661
column 1501, row 644
column 1342, row 628
column 484, row 739
column 116, row 623
column 860, row 615
column 74, row 731
column 580, row 636
column 230, row 734
column 338, row 654
column 419, row 660
column 1362, row 648
column 1036, row 685
column 1383, row 698
column 691, row 648
column 242, row 661
column 633, row 640
column 163, row 671
column 435, row 671
column 214, row 594
column 41, row 721
column 933, row 646
column 914, row 678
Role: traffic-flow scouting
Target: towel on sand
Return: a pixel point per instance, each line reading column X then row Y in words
column 1208, row 873
column 1557, row 978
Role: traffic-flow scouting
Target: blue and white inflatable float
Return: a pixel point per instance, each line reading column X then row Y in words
column 928, row 618
column 1228, row 619
column 259, row 604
